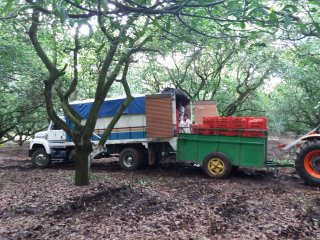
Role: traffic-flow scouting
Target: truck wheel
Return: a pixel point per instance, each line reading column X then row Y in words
column 308, row 163
column 40, row 159
column 217, row 165
column 130, row 159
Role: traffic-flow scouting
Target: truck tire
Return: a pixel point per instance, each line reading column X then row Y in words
column 308, row 163
column 217, row 165
column 40, row 159
column 130, row 159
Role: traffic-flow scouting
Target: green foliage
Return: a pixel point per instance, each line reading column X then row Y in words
column 224, row 72
column 295, row 99
column 142, row 182
column 21, row 99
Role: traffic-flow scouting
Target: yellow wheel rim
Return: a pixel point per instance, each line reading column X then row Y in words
column 216, row 166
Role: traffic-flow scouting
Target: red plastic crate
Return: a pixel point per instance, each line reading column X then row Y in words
column 226, row 132
column 230, row 132
column 258, row 134
column 257, row 123
column 200, row 129
column 220, row 125
column 222, row 122
column 233, row 126
column 209, row 121
column 239, row 122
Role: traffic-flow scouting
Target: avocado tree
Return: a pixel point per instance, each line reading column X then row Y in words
column 125, row 36
column 296, row 97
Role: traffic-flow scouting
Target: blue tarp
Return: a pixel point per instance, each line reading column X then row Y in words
column 111, row 106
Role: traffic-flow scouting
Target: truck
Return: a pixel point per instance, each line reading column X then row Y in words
column 148, row 131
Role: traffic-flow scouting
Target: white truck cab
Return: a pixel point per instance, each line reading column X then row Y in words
column 47, row 145
column 55, row 133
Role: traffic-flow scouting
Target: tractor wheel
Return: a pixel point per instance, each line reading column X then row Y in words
column 217, row 165
column 130, row 159
column 40, row 159
column 308, row 163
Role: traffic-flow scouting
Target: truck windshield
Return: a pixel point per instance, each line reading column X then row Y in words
column 55, row 127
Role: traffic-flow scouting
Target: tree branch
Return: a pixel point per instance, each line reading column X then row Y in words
column 121, row 109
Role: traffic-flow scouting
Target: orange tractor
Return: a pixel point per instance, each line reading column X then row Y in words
column 308, row 157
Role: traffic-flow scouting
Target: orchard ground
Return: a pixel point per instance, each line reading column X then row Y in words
column 172, row 201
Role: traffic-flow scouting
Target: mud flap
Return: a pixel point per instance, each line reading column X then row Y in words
column 151, row 155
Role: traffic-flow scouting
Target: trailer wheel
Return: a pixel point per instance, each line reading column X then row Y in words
column 308, row 163
column 40, row 159
column 217, row 165
column 130, row 159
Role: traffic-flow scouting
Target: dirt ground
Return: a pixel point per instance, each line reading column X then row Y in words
column 172, row 201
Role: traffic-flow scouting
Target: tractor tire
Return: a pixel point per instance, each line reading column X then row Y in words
column 217, row 165
column 130, row 159
column 40, row 159
column 308, row 163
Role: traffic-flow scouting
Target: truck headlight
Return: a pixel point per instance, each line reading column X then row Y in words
column 41, row 135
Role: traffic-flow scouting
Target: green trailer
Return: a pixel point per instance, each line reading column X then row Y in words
column 219, row 154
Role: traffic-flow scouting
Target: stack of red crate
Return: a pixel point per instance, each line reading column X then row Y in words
column 219, row 125
column 223, row 126
column 203, row 129
column 234, row 126
column 257, row 127
column 209, row 121
column 239, row 124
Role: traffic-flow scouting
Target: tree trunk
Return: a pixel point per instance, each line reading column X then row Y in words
column 80, row 156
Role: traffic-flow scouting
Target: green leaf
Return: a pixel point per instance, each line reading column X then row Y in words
column 234, row 5
column 71, row 22
column 25, row 7
column 317, row 26
column 314, row 2
column 273, row 17
column 104, row 4
column 235, row 12
column 261, row 24
column 287, row 21
column 156, row 23
column 313, row 10
column 242, row 43
column 290, row 8
column 302, row 26
column 258, row 12
column 168, row 25
column 254, row 35
column 259, row 44
column 62, row 14
column 8, row 6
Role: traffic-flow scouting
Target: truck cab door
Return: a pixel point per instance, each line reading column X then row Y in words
column 55, row 133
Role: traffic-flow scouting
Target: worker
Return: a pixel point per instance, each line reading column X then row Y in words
column 185, row 125
column 181, row 111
